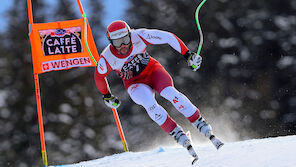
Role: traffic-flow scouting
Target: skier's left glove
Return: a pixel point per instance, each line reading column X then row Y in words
column 193, row 60
column 111, row 101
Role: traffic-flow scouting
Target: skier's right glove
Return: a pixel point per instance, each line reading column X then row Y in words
column 193, row 60
column 111, row 101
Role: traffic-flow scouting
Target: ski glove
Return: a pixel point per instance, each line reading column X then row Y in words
column 111, row 101
column 193, row 60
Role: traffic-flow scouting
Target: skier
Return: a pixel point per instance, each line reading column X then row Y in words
column 142, row 75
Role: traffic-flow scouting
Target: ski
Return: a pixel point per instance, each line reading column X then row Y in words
column 194, row 162
column 188, row 134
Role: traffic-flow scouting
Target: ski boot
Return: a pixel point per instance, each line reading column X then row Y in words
column 206, row 130
column 183, row 140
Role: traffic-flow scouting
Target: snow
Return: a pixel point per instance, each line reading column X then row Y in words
column 269, row 152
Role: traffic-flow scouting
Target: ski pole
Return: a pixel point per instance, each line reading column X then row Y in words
column 198, row 26
column 119, row 127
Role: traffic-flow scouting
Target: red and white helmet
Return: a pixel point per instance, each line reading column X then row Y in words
column 117, row 29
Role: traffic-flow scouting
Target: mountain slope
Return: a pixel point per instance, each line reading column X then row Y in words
column 269, row 152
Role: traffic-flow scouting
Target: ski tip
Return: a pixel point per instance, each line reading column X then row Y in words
column 188, row 134
column 194, row 162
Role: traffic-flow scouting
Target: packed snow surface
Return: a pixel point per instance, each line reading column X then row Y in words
column 269, row 152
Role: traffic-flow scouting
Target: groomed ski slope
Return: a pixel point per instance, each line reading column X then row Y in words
column 269, row 152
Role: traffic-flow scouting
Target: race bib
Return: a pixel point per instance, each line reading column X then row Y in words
column 134, row 66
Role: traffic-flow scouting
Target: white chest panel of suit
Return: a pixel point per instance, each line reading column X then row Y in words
column 138, row 58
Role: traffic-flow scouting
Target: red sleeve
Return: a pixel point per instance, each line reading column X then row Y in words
column 144, row 40
column 101, row 80
column 184, row 48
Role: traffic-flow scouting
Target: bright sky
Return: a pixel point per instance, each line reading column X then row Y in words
column 3, row 7
column 112, row 11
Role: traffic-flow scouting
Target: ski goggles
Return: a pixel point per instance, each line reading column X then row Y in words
column 124, row 40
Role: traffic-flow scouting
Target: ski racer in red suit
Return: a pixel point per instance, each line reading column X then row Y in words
column 142, row 75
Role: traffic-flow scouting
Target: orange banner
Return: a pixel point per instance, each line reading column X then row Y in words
column 61, row 45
